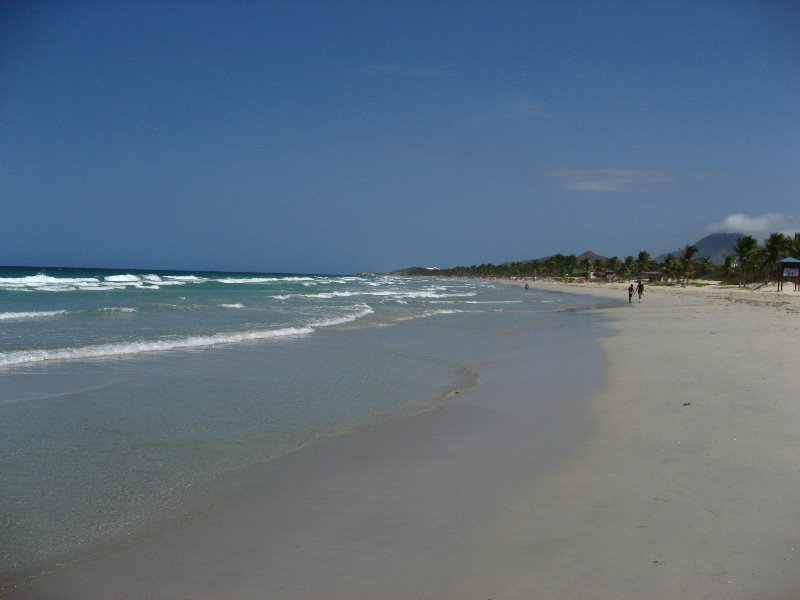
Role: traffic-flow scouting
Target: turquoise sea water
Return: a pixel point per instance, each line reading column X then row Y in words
column 123, row 394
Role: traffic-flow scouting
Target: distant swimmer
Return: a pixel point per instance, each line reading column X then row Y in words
column 526, row 287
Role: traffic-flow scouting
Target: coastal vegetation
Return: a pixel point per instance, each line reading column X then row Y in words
column 748, row 262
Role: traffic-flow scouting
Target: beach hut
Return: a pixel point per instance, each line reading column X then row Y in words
column 789, row 268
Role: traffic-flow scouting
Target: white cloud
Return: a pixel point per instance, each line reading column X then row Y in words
column 608, row 179
column 759, row 227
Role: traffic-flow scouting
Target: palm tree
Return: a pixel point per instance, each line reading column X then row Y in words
column 586, row 265
column 552, row 267
column 794, row 246
column 570, row 263
column 643, row 262
column 702, row 266
column 686, row 262
column 728, row 265
column 614, row 265
column 746, row 252
column 629, row 263
column 671, row 268
column 776, row 247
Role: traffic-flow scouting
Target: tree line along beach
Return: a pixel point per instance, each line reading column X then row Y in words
column 724, row 257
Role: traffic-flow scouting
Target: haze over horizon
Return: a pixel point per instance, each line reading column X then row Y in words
column 342, row 137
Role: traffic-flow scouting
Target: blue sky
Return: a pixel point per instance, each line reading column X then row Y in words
column 337, row 137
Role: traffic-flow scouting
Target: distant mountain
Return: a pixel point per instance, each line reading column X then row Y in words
column 592, row 256
column 714, row 247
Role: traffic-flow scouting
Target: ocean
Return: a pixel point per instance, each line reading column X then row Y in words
column 126, row 395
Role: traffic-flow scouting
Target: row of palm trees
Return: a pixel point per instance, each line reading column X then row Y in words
column 748, row 262
column 756, row 262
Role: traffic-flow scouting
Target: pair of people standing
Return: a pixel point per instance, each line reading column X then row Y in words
column 639, row 290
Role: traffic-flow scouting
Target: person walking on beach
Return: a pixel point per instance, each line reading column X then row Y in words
column 640, row 290
column 630, row 293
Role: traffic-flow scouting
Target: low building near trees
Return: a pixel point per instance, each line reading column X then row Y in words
column 788, row 270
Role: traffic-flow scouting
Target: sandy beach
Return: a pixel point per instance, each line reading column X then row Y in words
column 688, row 486
column 679, row 478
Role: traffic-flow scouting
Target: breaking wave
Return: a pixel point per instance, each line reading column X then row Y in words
column 120, row 349
column 36, row 314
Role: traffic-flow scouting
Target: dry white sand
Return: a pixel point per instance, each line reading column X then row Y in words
column 686, row 486
column 690, row 484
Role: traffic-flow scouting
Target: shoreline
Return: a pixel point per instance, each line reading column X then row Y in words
column 683, row 483
column 411, row 481
column 712, row 290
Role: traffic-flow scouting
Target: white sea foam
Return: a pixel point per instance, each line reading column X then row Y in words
column 492, row 301
column 46, row 283
column 361, row 310
column 329, row 295
column 184, row 278
column 144, row 346
column 120, row 281
column 236, row 305
column 270, row 280
column 37, row 314
column 393, row 293
column 430, row 293
column 263, row 280
column 431, row 313
column 149, row 282
column 246, row 280
column 292, row 278
column 157, row 284
column 135, row 279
